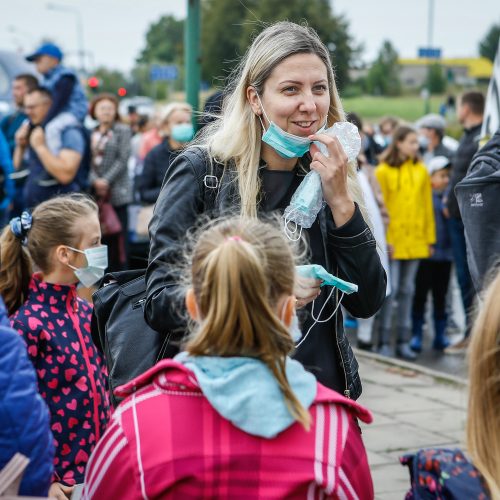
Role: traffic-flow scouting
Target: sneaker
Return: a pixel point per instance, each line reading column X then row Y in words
column 416, row 344
column 403, row 351
column 386, row 350
column 459, row 347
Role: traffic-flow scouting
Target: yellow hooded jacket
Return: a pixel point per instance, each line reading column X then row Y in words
column 408, row 197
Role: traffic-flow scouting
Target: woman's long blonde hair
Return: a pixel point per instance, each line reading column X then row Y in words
column 236, row 135
column 240, row 268
column 483, row 421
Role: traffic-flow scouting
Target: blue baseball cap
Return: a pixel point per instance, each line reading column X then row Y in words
column 47, row 49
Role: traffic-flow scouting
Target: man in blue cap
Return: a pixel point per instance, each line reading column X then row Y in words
column 69, row 104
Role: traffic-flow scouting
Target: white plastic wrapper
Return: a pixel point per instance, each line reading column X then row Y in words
column 307, row 200
column 348, row 136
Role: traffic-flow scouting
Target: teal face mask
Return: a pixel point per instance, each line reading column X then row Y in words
column 318, row 272
column 183, row 132
column 285, row 144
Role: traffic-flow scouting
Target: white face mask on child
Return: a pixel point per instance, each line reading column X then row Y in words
column 97, row 262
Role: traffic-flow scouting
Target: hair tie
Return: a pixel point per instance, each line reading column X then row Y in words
column 20, row 227
column 234, row 238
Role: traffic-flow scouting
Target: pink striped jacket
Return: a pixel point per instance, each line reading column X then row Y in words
column 166, row 441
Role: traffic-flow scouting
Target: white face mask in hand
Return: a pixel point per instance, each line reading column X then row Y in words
column 97, row 262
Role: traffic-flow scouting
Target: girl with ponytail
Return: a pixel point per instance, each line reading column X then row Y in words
column 62, row 241
column 233, row 415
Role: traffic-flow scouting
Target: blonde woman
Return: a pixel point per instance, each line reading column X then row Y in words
column 233, row 416
column 251, row 161
column 444, row 473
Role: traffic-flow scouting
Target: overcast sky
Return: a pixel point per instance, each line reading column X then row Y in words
column 114, row 30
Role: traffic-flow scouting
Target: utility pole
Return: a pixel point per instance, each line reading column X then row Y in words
column 192, row 55
column 430, row 30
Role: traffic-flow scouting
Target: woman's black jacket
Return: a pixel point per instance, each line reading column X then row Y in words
column 186, row 195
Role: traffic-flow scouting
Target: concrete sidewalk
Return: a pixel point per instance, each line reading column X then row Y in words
column 413, row 408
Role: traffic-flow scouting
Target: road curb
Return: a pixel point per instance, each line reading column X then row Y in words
column 440, row 376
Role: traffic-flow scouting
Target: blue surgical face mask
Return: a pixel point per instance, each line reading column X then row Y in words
column 183, row 132
column 97, row 262
column 318, row 272
column 285, row 144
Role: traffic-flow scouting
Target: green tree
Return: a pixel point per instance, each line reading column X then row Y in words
column 436, row 81
column 221, row 28
column 383, row 76
column 489, row 44
column 110, row 80
column 164, row 42
column 228, row 28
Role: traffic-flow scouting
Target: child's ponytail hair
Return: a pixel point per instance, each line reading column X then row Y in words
column 240, row 269
column 29, row 240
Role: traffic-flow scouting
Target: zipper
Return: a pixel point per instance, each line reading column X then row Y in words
column 324, row 230
column 72, row 309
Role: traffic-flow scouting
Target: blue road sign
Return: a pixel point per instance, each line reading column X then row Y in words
column 168, row 72
column 429, row 52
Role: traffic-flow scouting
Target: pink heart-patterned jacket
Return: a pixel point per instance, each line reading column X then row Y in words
column 55, row 324
column 165, row 441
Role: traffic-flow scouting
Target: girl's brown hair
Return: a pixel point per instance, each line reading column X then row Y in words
column 240, row 268
column 53, row 224
column 483, row 421
column 392, row 155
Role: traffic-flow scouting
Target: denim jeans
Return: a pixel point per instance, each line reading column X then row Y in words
column 464, row 279
column 403, row 273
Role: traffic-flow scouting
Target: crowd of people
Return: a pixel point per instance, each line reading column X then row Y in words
column 259, row 399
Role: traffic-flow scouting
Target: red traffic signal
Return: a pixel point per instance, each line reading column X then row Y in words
column 122, row 91
column 93, row 82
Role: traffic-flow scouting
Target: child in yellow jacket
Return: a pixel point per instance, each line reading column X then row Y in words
column 406, row 187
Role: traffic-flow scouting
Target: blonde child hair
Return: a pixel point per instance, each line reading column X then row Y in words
column 483, row 421
column 240, row 269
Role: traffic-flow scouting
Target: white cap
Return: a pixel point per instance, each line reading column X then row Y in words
column 438, row 163
column 433, row 121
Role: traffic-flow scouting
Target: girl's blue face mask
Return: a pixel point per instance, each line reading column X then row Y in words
column 285, row 144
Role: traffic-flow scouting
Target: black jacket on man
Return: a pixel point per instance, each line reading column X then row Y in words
column 348, row 252
column 467, row 147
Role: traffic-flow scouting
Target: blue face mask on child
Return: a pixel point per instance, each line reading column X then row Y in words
column 285, row 144
column 183, row 132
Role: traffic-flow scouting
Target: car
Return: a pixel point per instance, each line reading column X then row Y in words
column 11, row 65
column 142, row 104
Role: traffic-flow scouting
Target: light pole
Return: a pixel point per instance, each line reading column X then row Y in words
column 430, row 30
column 79, row 29
column 192, row 54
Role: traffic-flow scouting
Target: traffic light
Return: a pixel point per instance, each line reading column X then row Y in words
column 93, row 83
column 122, row 91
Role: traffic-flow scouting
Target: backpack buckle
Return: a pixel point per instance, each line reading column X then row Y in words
column 211, row 182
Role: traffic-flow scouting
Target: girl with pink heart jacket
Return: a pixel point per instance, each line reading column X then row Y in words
column 58, row 239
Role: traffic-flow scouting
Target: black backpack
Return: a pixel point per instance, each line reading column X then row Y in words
column 119, row 330
column 478, row 196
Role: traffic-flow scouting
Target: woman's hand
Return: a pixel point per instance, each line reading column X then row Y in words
column 306, row 290
column 101, row 187
column 333, row 172
column 60, row 491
